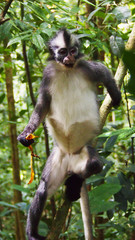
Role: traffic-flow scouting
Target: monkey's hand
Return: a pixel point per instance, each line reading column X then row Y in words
column 116, row 101
column 25, row 141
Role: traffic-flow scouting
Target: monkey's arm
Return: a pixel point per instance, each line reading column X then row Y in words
column 104, row 75
column 39, row 113
column 97, row 72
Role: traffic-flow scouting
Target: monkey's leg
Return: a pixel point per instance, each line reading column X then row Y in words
column 94, row 164
column 50, row 181
column 81, row 165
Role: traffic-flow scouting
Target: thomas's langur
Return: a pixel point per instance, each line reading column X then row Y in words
column 68, row 100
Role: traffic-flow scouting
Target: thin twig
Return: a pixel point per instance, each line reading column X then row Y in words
column 28, row 73
column 4, row 12
column 128, row 115
column 133, row 160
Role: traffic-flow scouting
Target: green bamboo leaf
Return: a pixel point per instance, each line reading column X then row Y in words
column 22, row 36
column 38, row 41
column 20, row 188
column 110, row 142
column 40, row 12
column 7, row 204
column 93, row 13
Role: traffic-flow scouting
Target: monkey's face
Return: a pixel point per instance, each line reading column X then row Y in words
column 67, row 56
column 64, row 48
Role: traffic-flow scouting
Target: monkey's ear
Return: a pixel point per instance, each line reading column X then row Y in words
column 50, row 51
column 51, row 57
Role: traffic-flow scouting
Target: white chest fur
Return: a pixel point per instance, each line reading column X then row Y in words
column 73, row 119
column 73, row 99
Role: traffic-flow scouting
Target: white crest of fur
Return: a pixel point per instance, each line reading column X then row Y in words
column 59, row 41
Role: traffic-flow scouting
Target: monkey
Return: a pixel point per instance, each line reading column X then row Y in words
column 68, row 101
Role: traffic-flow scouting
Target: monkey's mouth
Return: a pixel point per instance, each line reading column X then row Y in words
column 70, row 65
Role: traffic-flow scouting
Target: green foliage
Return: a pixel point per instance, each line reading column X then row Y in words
column 129, row 60
column 101, row 194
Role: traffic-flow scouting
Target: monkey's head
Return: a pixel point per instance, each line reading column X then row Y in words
column 64, row 48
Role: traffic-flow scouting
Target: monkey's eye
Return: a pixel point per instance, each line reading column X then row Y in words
column 73, row 51
column 62, row 51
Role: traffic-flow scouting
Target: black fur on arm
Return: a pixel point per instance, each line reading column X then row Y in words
column 41, row 109
column 97, row 72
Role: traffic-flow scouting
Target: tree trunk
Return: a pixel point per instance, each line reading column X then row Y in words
column 59, row 221
column 19, row 229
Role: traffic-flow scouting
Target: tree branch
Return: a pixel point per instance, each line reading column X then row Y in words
column 28, row 74
column 119, row 76
column 4, row 12
column 59, row 221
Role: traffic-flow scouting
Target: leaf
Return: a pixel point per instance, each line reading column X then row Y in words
column 84, row 35
column 117, row 45
column 127, row 132
column 121, row 133
column 20, row 188
column 129, row 61
column 22, row 112
column 2, row 96
column 43, row 228
column 122, row 13
column 22, row 36
column 93, row 13
column 133, row 107
column 38, row 131
column 104, row 191
column 102, row 206
column 44, row 28
column 86, row 1
column 60, row 7
column 7, row 204
column 131, row 168
column 5, row 213
column 38, row 41
column 75, row 10
column 126, row 190
column 5, row 30
column 40, row 12
column 21, row 25
column 110, row 142
column 100, row 195
column 94, row 178
column 31, row 55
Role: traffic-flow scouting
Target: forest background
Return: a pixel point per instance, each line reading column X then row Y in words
column 107, row 32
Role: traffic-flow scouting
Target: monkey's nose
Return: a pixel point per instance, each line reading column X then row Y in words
column 69, row 59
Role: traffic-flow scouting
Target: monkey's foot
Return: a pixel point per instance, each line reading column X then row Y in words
column 37, row 237
column 73, row 187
